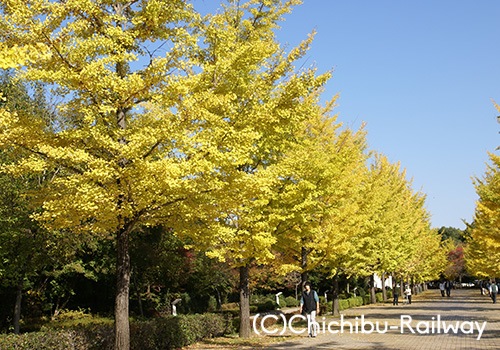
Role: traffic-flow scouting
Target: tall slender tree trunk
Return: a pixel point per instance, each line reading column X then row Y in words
column 336, row 293
column 372, row 289
column 384, row 292
column 122, row 328
column 219, row 300
column 303, row 264
column 17, row 306
column 401, row 286
column 137, row 293
column 394, row 283
column 245, row 302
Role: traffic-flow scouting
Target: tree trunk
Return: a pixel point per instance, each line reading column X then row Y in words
column 303, row 264
column 401, row 286
column 122, row 328
column 336, row 292
column 57, row 309
column 219, row 300
column 244, row 302
column 138, row 294
column 17, row 306
column 384, row 292
column 348, row 287
column 372, row 289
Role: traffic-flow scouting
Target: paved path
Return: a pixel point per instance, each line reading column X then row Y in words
column 463, row 306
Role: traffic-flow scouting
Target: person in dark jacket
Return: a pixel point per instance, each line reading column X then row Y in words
column 448, row 288
column 395, row 295
column 309, row 304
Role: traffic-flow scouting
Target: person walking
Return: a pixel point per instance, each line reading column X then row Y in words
column 408, row 293
column 441, row 288
column 309, row 303
column 395, row 295
column 493, row 292
column 448, row 288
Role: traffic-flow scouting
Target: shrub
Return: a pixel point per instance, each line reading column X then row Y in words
column 343, row 304
column 235, row 312
column 212, row 304
column 379, row 297
column 267, row 305
column 50, row 340
column 162, row 333
column 232, row 312
column 354, row 302
column 282, row 300
column 389, row 294
column 229, row 306
column 291, row 301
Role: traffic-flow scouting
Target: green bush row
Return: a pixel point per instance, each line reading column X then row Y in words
column 288, row 301
column 361, row 300
column 261, row 303
column 162, row 333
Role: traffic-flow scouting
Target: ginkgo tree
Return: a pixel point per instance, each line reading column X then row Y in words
column 163, row 115
column 245, row 62
column 316, row 201
column 377, row 243
column 393, row 220
column 482, row 254
column 117, row 172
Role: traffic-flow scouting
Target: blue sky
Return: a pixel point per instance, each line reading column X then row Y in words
column 422, row 75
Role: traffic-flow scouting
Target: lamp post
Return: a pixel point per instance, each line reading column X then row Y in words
column 174, row 308
column 278, row 298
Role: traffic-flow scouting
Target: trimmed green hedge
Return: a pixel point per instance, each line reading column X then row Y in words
column 361, row 300
column 162, row 333
column 46, row 340
column 291, row 301
column 343, row 304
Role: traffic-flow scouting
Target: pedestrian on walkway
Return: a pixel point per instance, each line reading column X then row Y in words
column 395, row 294
column 448, row 288
column 493, row 292
column 408, row 293
column 441, row 288
column 309, row 304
